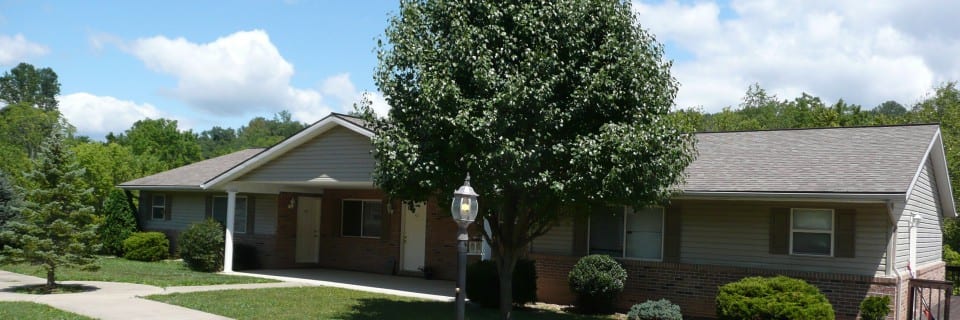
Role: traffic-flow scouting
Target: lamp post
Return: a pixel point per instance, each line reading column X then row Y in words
column 464, row 211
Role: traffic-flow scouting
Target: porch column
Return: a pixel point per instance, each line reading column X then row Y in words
column 228, row 240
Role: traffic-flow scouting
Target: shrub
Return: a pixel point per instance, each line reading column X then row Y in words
column 119, row 222
column 596, row 280
column 146, row 246
column 875, row 308
column 483, row 284
column 950, row 256
column 245, row 257
column 201, row 246
column 778, row 297
column 661, row 309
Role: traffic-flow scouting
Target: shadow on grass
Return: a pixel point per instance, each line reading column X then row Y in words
column 378, row 308
column 42, row 289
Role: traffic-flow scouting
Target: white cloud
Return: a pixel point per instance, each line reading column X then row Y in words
column 95, row 116
column 16, row 49
column 863, row 52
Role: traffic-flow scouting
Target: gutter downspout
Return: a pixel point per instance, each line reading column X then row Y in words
column 893, row 258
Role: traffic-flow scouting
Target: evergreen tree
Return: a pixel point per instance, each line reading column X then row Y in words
column 119, row 222
column 55, row 229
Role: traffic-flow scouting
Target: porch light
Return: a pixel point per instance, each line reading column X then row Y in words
column 463, row 208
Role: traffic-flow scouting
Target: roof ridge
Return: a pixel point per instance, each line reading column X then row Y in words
column 825, row 128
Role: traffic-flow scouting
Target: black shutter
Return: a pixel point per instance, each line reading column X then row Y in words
column 779, row 230
column 167, row 207
column 146, row 205
column 671, row 233
column 845, row 237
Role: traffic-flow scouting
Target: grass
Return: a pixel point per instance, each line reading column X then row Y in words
column 31, row 310
column 336, row 303
column 162, row 273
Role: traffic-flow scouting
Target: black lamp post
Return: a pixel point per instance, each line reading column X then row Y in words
column 464, row 211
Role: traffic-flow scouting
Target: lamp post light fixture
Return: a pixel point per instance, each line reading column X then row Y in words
column 464, row 211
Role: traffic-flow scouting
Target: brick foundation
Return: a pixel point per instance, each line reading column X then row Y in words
column 694, row 287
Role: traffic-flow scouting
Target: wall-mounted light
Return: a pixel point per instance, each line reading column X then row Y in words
column 292, row 203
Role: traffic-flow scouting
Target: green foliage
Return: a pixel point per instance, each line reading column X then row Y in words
column 25, row 128
column 119, row 223
column 161, row 138
column 201, row 246
column 545, row 104
column 27, row 85
column 55, row 229
column 775, row 298
column 950, row 256
column 484, row 289
column 875, row 308
column 146, row 246
column 596, row 280
column 661, row 309
column 110, row 164
column 258, row 133
column 9, row 199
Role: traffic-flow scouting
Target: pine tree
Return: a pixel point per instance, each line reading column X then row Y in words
column 55, row 229
column 8, row 199
column 119, row 222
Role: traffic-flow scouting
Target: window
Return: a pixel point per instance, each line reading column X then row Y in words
column 361, row 218
column 627, row 233
column 811, row 232
column 158, row 210
column 239, row 215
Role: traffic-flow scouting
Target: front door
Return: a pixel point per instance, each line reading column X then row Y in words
column 414, row 236
column 308, row 230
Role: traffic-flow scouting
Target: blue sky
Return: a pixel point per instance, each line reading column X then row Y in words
column 207, row 63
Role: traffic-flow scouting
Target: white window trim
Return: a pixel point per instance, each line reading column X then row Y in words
column 623, row 245
column 833, row 232
column 362, row 201
column 153, row 205
column 246, row 213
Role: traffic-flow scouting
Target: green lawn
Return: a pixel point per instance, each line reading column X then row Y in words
column 162, row 273
column 333, row 303
column 30, row 310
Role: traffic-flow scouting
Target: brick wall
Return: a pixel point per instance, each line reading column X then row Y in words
column 694, row 287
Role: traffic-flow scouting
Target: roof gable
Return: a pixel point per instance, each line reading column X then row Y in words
column 193, row 175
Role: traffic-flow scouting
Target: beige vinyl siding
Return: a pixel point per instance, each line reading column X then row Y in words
column 735, row 233
column 557, row 241
column 336, row 155
column 924, row 201
column 265, row 214
column 186, row 209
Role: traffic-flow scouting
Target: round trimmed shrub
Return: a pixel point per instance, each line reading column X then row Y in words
column 661, row 309
column 596, row 280
column 875, row 308
column 146, row 246
column 778, row 298
column 201, row 246
column 483, row 283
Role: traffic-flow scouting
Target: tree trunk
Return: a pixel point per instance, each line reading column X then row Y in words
column 505, row 269
column 51, row 279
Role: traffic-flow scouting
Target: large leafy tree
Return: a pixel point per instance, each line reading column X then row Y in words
column 161, row 138
column 54, row 229
column 546, row 103
column 109, row 164
column 25, row 84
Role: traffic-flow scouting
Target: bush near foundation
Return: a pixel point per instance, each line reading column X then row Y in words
column 483, row 283
column 146, row 246
column 661, row 309
column 775, row 298
column 201, row 246
column 875, row 308
column 597, row 280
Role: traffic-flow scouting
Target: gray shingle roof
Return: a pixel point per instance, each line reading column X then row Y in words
column 842, row 160
column 195, row 174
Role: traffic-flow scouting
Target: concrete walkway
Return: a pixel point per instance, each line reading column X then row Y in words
column 114, row 300
column 122, row 301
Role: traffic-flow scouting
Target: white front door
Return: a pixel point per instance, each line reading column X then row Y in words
column 414, row 237
column 308, row 230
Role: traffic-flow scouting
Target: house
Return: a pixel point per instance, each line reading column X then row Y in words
column 854, row 211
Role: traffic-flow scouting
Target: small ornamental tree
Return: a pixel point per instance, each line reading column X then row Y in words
column 546, row 104
column 55, row 229
column 119, row 222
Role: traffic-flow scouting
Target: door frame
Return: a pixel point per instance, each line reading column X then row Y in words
column 403, row 234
